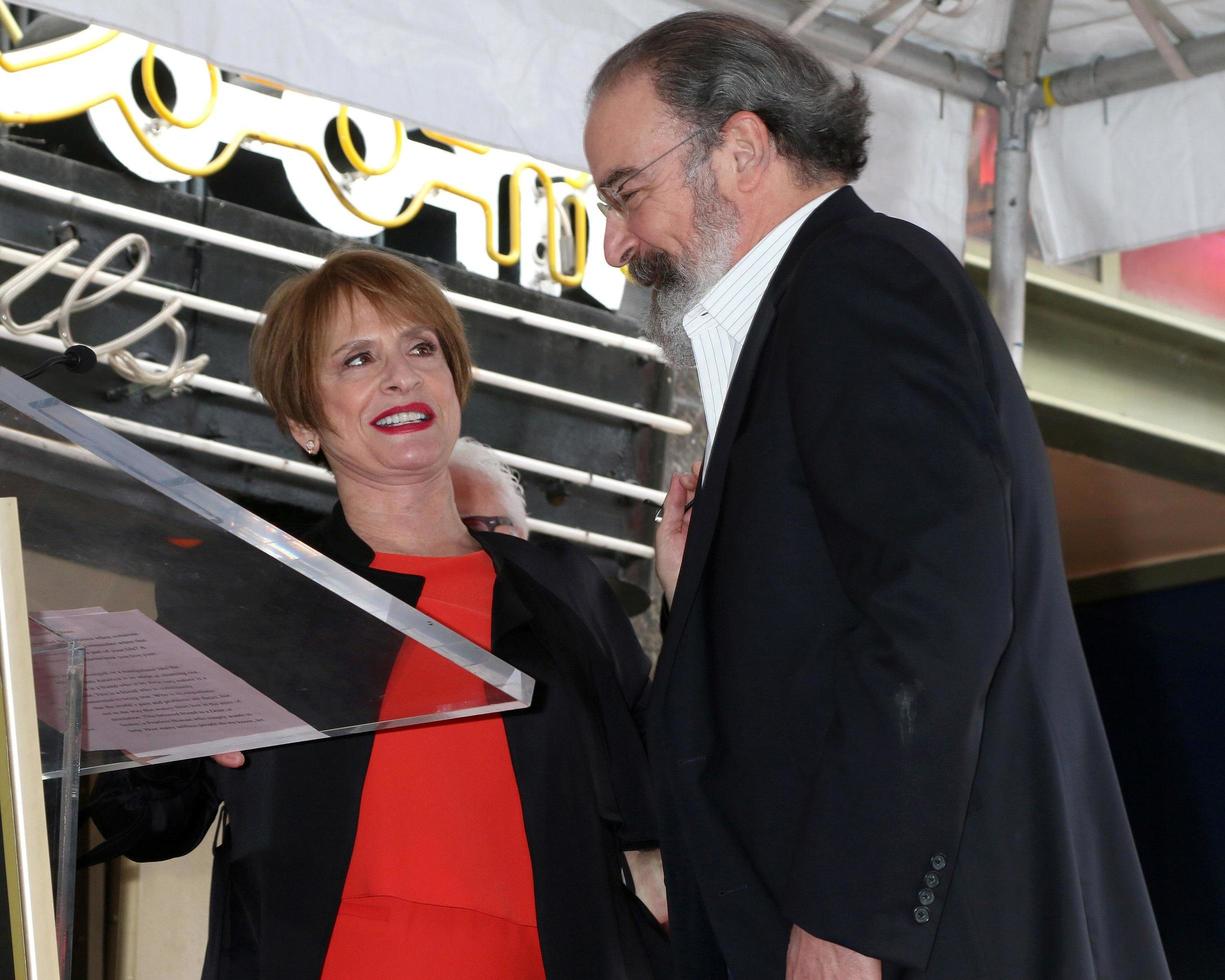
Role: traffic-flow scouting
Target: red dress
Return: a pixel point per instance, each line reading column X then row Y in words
column 440, row 881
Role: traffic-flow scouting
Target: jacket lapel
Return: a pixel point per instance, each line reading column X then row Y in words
column 839, row 207
column 335, row 538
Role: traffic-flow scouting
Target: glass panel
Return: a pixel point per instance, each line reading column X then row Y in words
column 61, row 662
column 205, row 628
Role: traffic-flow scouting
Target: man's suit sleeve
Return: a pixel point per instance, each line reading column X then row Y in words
column 901, row 453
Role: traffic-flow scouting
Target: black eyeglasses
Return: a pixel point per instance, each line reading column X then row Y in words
column 478, row 522
column 610, row 199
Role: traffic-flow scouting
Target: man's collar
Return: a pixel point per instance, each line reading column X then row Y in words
column 730, row 302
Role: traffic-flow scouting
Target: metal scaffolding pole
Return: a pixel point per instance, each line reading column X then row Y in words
column 836, row 37
column 1006, row 283
column 1133, row 72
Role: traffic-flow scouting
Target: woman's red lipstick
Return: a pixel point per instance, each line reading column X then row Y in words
column 404, row 418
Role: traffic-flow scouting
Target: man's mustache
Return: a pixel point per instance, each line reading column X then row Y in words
column 655, row 270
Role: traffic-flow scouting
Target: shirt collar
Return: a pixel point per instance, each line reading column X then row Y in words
column 731, row 302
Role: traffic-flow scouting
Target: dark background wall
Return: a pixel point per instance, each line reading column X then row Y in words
column 1158, row 663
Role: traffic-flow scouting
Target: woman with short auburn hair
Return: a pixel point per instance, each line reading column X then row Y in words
column 479, row 848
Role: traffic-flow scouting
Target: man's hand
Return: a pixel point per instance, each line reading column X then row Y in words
column 647, row 870
column 230, row 760
column 673, row 529
column 810, row 958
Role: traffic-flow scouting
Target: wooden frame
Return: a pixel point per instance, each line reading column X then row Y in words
column 23, row 820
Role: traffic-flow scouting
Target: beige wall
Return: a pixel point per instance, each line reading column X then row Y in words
column 160, row 917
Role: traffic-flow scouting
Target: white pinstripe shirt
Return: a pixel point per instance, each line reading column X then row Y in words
column 719, row 322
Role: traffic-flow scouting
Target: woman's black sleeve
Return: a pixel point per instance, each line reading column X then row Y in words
column 151, row 813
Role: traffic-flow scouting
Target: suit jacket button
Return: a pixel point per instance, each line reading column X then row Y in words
column 931, row 879
column 926, row 896
column 921, row 914
column 939, row 861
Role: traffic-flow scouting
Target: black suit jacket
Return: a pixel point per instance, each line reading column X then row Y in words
column 872, row 716
column 291, row 812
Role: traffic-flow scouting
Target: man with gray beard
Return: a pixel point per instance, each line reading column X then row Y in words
column 876, row 748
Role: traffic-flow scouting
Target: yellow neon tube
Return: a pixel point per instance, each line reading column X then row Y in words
column 9, row 23
column 62, row 56
column 155, row 98
column 350, row 148
column 414, row 207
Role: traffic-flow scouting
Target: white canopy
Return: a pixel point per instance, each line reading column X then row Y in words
column 1110, row 174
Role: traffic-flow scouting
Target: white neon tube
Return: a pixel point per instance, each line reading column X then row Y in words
column 304, row 260
column 66, row 270
column 600, row 406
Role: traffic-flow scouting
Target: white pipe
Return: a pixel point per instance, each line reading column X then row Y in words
column 1161, row 41
column 548, row 528
column 810, row 13
column 54, row 447
column 318, row 474
column 590, row 537
column 538, row 466
column 304, row 260
column 580, row 477
column 1168, row 18
column 211, row 447
column 204, row 382
column 599, row 406
column 904, row 27
column 882, row 13
column 606, row 338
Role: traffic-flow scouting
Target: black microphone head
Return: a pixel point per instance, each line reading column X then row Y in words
column 78, row 358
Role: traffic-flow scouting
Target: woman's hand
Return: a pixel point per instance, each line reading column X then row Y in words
column 673, row 529
column 230, row 760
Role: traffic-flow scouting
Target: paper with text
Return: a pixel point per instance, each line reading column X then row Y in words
column 147, row 693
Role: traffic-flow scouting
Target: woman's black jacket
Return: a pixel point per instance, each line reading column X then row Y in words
column 291, row 812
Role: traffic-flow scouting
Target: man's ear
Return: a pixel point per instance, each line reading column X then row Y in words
column 306, row 437
column 746, row 140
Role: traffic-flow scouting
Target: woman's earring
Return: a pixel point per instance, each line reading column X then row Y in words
column 310, row 446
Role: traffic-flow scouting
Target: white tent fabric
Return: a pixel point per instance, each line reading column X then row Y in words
column 917, row 156
column 1165, row 184
column 510, row 74
column 513, row 73
column 1083, row 30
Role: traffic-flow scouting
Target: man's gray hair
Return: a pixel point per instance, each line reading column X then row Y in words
column 708, row 66
column 476, row 457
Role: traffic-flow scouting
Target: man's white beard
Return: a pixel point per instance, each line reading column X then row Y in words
column 680, row 283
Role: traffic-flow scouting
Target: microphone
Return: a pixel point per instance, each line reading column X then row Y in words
column 78, row 359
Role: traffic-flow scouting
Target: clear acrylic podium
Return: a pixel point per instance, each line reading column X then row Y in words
column 145, row 618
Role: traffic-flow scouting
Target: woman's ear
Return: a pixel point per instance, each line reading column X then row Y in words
column 306, row 437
